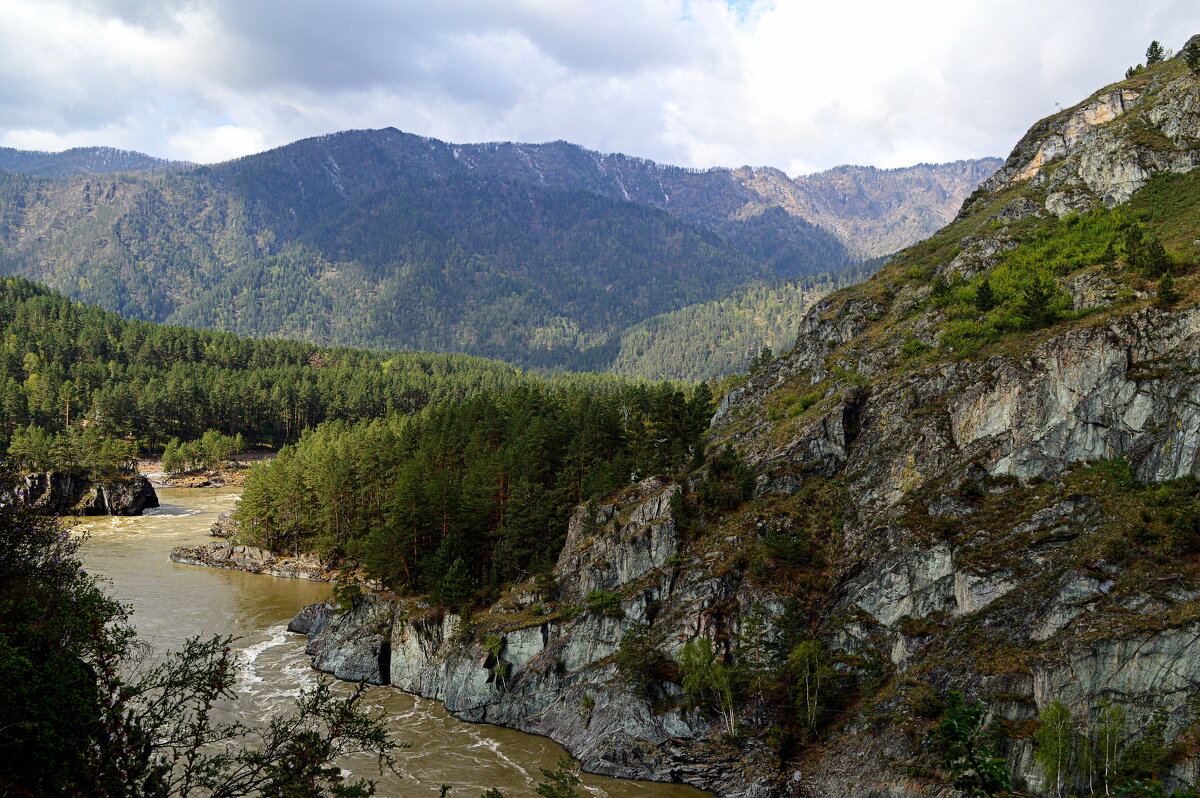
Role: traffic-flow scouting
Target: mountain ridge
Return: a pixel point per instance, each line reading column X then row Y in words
column 469, row 248
column 80, row 160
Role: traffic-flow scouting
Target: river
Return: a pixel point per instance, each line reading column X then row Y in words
column 172, row 602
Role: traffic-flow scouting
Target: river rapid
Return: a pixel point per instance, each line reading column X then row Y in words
column 172, row 602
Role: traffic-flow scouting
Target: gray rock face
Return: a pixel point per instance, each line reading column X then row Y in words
column 352, row 645
column 980, row 253
column 1024, row 607
column 1057, row 137
column 1090, row 394
column 554, row 674
column 1102, row 150
column 74, row 495
column 225, row 526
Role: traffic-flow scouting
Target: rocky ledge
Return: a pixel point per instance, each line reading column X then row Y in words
column 254, row 560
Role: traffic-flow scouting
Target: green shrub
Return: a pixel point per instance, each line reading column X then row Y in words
column 966, row 753
column 923, row 700
column 604, row 603
column 728, row 483
column 637, row 659
column 965, row 338
column 913, row 347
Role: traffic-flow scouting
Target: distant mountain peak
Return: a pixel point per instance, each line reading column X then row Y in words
column 80, row 160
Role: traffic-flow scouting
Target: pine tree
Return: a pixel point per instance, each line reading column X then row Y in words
column 1191, row 56
column 1145, row 253
column 455, row 588
column 1167, row 293
column 1035, row 301
column 985, row 297
column 940, row 288
column 1154, row 53
column 559, row 782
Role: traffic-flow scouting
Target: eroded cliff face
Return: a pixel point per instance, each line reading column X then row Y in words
column 1107, row 147
column 1000, row 503
column 69, row 494
column 557, row 672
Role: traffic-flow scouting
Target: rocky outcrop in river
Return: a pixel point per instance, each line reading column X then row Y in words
column 226, row 526
column 70, row 494
column 255, row 560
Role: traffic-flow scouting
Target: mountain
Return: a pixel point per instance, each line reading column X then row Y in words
column 876, row 212
column 537, row 254
column 1004, row 411
column 79, row 160
column 973, row 479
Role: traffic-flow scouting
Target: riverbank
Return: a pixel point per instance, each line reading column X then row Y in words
column 231, row 475
column 73, row 495
column 172, row 602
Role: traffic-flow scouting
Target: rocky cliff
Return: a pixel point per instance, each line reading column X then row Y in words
column 561, row 668
column 975, row 472
column 69, row 494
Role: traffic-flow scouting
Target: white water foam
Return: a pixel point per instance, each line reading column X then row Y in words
column 494, row 747
column 247, row 670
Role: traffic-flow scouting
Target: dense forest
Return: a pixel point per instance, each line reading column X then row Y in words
column 472, row 493
column 386, row 258
column 63, row 364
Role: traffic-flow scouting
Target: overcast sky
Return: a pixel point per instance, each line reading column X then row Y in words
column 797, row 84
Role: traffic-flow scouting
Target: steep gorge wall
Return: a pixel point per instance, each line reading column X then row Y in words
column 555, row 673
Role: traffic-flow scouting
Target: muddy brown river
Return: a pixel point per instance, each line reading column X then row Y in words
column 172, row 602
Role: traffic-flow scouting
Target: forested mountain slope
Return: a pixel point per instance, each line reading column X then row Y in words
column 538, row 254
column 63, row 363
column 78, row 160
column 975, row 472
column 712, row 340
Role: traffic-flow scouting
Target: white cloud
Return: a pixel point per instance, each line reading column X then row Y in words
column 211, row 144
column 791, row 83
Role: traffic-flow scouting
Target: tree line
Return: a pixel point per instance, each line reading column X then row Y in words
column 471, row 495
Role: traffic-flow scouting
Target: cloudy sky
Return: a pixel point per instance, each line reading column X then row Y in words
column 798, row 84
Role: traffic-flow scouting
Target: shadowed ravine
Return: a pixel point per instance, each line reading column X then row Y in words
column 172, row 602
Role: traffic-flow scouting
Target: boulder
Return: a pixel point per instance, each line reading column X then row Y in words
column 224, row 527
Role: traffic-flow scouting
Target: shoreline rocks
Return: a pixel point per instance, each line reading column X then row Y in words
column 551, row 671
column 254, row 560
column 225, row 526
